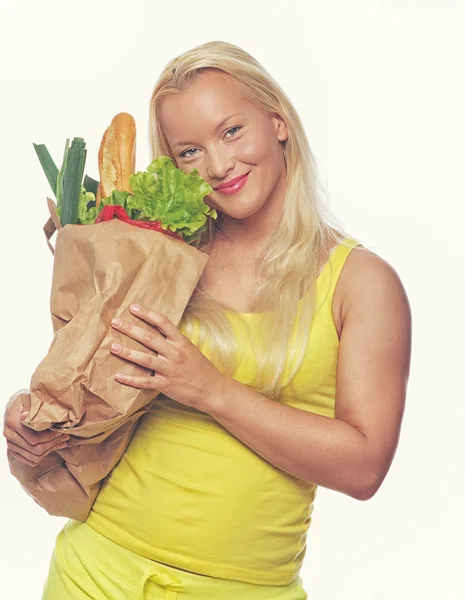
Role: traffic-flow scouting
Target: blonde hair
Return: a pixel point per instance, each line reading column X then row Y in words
column 287, row 266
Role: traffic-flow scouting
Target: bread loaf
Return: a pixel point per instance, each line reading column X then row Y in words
column 98, row 197
column 117, row 155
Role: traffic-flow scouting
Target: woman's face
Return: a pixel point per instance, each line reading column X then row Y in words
column 213, row 128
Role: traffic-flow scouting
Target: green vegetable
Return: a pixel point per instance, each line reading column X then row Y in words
column 59, row 188
column 75, row 202
column 73, row 172
column 117, row 198
column 165, row 193
column 87, row 210
column 49, row 167
column 91, row 185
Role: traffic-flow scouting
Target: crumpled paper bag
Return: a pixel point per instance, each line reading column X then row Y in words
column 98, row 271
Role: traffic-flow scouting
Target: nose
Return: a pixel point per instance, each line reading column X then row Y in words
column 220, row 163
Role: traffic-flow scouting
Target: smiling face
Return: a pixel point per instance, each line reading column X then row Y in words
column 212, row 127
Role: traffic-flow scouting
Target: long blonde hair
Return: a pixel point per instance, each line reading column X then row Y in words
column 287, row 265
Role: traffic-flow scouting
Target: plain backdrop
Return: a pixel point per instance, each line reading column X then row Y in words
column 379, row 86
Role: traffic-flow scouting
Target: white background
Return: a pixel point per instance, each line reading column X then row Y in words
column 380, row 88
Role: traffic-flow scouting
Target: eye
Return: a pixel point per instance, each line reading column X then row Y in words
column 233, row 128
column 184, row 154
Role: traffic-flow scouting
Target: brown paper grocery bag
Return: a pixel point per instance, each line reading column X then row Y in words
column 67, row 482
column 98, row 271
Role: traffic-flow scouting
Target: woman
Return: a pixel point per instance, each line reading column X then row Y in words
column 214, row 495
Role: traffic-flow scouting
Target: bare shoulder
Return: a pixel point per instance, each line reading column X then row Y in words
column 367, row 279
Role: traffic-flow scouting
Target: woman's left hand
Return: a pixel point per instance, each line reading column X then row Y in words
column 182, row 372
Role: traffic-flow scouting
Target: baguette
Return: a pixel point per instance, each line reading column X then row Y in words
column 117, row 156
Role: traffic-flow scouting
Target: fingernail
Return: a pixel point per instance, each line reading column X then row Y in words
column 117, row 321
column 135, row 307
column 116, row 347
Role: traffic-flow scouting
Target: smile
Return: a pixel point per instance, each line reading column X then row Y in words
column 235, row 187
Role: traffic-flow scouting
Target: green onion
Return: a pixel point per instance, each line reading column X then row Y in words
column 73, row 172
column 59, row 192
column 49, row 167
column 66, row 183
column 91, row 185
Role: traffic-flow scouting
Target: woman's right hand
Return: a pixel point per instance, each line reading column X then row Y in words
column 25, row 444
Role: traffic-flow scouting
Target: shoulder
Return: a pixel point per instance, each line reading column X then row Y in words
column 367, row 281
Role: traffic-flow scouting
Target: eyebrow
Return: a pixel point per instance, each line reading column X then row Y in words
column 216, row 129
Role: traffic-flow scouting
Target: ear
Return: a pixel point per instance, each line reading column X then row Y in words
column 281, row 128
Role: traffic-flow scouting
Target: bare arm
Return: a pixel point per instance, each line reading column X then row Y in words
column 353, row 452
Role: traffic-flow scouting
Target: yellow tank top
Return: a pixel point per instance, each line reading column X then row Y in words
column 189, row 494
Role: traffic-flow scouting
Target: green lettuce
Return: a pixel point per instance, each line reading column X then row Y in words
column 166, row 194
column 87, row 211
column 118, row 198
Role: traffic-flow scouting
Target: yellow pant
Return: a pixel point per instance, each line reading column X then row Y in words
column 87, row 565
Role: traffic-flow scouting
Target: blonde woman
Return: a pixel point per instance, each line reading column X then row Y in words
column 288, row 370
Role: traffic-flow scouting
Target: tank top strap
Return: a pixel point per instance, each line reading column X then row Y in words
column 333, row 267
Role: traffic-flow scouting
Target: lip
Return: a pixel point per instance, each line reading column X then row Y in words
column 229, row 185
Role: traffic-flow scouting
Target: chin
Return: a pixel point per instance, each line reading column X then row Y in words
column 239, row 211
column 239, row 208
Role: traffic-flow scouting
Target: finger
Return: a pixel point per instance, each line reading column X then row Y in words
column 165, row 325
column 28, row 435
column 149, row 361
column 22, row 459
column 35, row 438
column 33, row 458
column 156, row 382
column 37, row 448
column 152, row 339
column 19, row 407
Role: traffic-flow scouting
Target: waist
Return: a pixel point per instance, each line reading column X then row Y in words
column 188, row 493
column 150, row 579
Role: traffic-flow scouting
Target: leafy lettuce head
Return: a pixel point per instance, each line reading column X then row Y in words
column 166, row 194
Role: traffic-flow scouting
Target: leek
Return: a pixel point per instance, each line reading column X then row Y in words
column 49, row 167
column 73, row 173
column 60, row 192
column 91, row 185
column 66, row 183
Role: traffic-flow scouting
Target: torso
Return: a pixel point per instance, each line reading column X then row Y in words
column 231, row 281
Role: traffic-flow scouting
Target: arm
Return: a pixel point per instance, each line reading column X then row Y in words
column 353, row 452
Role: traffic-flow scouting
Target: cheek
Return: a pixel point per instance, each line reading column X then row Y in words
column 252, row 150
